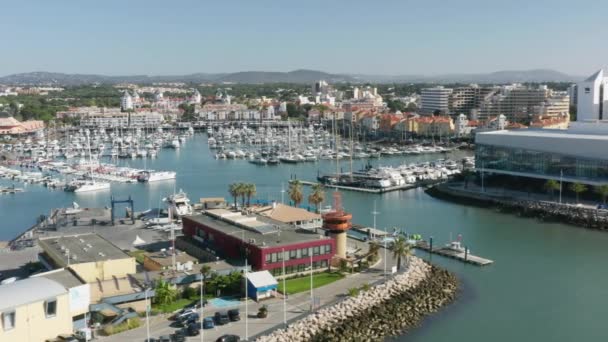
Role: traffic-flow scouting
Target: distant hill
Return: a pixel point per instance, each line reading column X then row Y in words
column 498, row 77
column 296, row 76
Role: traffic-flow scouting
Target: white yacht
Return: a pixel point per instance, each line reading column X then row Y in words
column 180, row 204
column 155, row 176
column 87, row 186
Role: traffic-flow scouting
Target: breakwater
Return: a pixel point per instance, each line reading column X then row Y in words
column 545, row 211
column 388, row 309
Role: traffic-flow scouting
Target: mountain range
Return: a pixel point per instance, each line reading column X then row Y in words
column 296, row 76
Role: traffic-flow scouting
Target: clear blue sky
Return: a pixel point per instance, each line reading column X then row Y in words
column 374, row 37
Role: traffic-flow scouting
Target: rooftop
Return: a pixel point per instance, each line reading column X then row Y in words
column 82, row 248
column 286, row 214
column 257, row 230
column 28, row 291
column 65, row 277
column 165, row 258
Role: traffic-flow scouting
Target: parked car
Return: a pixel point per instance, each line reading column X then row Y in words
column 228, row 338
column 183, row 313
column 178, row 336
column 164, row 338
column 221, row 318
column 194, row 329
column 208, row 323
column 234, row 315
column 151, row 339
column 185, row 321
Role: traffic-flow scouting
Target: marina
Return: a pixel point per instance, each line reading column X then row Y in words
column 491, row 233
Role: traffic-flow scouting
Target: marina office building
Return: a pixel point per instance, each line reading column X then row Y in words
column 578, row 154
column 268, row 242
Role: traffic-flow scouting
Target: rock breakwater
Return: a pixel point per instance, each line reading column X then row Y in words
column 546, row 211
column 384, row 310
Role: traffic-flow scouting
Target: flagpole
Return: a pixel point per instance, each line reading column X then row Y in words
column 312, row 298
column 202, row 307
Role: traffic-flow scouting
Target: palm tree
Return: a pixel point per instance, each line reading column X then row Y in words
column 467, row 174
column 250, row 191
column 165, row 293
column 578, row 188
column 233, row 189
column 317, row 196
column 373, row 250
column 401, row 249
column 295, row 192
column 551, row 186
column 602, row 190
column 242, row 189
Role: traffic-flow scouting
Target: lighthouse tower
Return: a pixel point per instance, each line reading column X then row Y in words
column 337, row 222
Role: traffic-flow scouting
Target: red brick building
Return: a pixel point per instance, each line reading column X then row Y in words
column 266, row 241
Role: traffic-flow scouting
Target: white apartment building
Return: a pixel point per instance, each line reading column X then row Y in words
column 592, row 97
column 112, row 119
column 126, row 101
column 435, row 99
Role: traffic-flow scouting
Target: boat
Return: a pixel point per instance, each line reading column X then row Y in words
column 87, row 186
column 179, row 204
column 155, row 176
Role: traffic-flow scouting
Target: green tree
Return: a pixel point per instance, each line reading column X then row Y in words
column 578, row 189
column 165, row 293
column 551, row 186
column 250, row 191
column 602, row 190
column 234, row 191
column 295, row 192
column 242, row 190
column 317, row 196
column 401, row 249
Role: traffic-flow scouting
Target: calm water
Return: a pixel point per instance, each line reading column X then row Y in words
column 547, row 283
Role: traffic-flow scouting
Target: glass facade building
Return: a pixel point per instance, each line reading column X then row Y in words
column 540, row 164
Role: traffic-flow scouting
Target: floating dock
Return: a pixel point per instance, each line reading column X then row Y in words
column 451, row 253
column 373, row 191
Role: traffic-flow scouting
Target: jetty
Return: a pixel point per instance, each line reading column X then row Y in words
column 462, row 255
column 373, row 190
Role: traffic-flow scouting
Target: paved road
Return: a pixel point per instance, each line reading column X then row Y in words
column 297, row 306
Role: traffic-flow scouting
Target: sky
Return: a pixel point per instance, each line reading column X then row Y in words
column 383, row 37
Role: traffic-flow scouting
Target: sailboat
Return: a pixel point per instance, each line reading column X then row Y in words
column 289, row 158
column 88, row 185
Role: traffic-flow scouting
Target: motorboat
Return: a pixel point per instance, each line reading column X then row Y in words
column 179, row 204
column 155, row 176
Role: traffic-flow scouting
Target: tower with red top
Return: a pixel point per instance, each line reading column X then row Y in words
column 337, row 222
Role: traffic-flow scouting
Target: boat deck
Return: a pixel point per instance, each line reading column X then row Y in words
column 374, row 191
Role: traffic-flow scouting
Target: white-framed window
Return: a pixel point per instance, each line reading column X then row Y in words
column 50, row 308
column 8, row 320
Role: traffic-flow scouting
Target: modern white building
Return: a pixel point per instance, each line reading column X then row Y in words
column 435, row 99
column 574, row 155
column 592, row 97
column 126, row 101
column 196, row 97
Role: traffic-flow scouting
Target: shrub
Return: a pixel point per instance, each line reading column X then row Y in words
column 129, row 324
column 353, row 291
column 365, row 287
column 189, row 293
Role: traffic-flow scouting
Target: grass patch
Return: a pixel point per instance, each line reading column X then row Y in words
column 302, row 284
column 138, row 255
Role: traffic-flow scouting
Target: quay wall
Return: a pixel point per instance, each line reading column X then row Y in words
column 388, row 309
column 546, row 211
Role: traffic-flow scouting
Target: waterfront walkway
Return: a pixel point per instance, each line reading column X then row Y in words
column 298, row 306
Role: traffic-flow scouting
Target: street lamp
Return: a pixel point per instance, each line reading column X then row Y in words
column 242, row 232
column 561, row 176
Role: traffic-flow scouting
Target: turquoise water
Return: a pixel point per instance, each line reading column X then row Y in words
column 548, row 282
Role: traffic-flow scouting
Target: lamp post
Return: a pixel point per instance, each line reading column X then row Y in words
column 284, row 291
column 147, row 314
column 242, row 232
column 202, row 307
column 561, row 176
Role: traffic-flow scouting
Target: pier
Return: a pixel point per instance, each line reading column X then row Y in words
column 374, row 190
column 454, row 254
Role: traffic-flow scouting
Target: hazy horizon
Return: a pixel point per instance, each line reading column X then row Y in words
column 340, row 37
